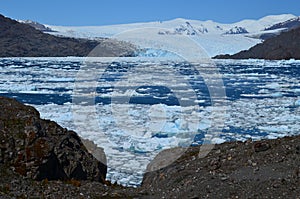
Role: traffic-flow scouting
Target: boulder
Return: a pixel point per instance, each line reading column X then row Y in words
column 41, row 149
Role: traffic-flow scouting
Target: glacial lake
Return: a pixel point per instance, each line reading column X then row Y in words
column 134, row 109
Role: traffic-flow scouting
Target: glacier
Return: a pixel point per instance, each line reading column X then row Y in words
column 216, row 38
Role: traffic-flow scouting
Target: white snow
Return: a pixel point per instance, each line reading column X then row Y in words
column 208, row 34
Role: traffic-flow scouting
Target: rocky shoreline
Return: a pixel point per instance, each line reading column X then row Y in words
column 260, row 169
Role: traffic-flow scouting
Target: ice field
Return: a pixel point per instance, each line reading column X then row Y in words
column 134, row 109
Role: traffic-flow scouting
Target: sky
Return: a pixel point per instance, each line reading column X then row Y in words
column 107, row 12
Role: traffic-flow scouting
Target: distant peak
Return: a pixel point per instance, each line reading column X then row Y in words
column 283, row 17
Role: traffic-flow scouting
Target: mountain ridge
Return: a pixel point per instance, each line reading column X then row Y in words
column 284, row 46
column 22, row 40
column 216, row 38
column 264, row 22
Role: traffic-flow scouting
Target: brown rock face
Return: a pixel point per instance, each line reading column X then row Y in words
column 41, row 149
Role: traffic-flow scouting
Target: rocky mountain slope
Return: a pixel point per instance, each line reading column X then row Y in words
column 284, row 46
column 22, row 40
column 42, row 160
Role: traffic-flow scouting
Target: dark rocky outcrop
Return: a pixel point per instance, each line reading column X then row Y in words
column 22, row 40
column 236, row 30
column 41, row 149
column 260, row 169
column 284, row 46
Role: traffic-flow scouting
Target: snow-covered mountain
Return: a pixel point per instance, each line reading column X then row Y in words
column 215, row 38
column 185, row 29
column 176, row 26
column 36, row 25
column 237, row 30
column 291, row 23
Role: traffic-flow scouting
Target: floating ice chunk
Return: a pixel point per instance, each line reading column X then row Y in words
column 274, row 85
column 218, row 140
column 199, row 101
column 297, row 90
column 274, row 128
column 263, row 91
column 297, row 102
column 277, row 94
column 204, row 124
column 272, row 136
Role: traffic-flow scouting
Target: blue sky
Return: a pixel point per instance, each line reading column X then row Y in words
column 104, row 12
